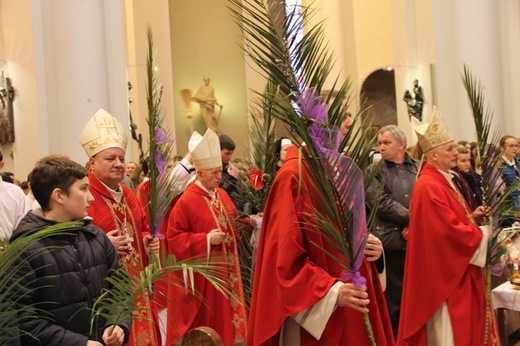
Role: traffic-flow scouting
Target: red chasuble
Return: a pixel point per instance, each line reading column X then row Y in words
column 142, row 193
column 194, row 215
column 292, row 274
column 126, row 216
column 441, row 243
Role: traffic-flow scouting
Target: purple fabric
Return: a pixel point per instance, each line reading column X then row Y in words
column 348, row 275
column 161, row 136
column 157, row 231
column 342, row 171
column 160, row 161
column 497, row 269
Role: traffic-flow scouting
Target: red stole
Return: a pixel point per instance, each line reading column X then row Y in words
column 142, row 193
column 193, row 217
column 442, row 240
column 127, row 217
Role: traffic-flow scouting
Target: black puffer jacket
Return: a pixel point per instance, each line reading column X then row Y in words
column 64, row 275
column 391, row 191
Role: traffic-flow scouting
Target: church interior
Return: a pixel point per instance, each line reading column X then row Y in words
column 62, row 60
column 66, row 59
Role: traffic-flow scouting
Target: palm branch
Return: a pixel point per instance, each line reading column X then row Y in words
column 162, row 185
column 495, row 195
column 12, row 260
column 298, row 70
column 262, row 165
column 128, row 289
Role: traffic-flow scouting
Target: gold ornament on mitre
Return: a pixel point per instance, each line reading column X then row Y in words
column 102, row 131
column 433, row 134
column 205, row 150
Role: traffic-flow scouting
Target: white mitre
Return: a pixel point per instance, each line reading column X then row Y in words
column 205, row 151
column 433, row 134
column 102, row 131
column 285, row 141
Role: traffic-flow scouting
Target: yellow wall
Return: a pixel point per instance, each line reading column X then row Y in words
column 374, row 36
column 141, row 14
column 205, row 42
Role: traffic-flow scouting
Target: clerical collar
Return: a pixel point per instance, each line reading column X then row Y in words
column 212, row 193
column 117, row 195
column 449, row 178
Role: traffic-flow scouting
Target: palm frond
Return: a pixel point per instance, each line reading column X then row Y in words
column 162, row 186
column 12, row 260
column 128, row 289
column 496, row 195
column 296, row 67
column 262, row 139
column 299, row 69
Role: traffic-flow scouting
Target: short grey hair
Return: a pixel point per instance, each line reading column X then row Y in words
column 395, row 131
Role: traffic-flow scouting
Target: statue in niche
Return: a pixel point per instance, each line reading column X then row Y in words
column 414, row 103
column 205, row 97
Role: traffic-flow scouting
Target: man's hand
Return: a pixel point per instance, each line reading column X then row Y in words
column 233, row 171
column 113, row 336
column 353, row 297
column 480, row 213
column 216, row 236
column 93, row 343
column 151, row 244
column 404, row 233
column 121, row 242
column 374, row 248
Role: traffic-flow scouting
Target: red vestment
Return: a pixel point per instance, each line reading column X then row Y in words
column 441, row 243
column 127, row 215
column 142, row 193
column 293, row 274
column 194, row 215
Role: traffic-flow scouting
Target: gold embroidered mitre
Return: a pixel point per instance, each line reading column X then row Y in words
column 205, row 150
column 434, row 134
column 102, row 131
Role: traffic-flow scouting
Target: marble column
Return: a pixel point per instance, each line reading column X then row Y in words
column 81, row 59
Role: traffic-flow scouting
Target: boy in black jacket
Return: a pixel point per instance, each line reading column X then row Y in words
column 62, row 276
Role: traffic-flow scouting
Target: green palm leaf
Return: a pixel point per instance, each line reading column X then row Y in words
column 162, row 186
column 122, row 300
column 496, row 196
column 284, row 61
column 12, row 260
column 295, row 66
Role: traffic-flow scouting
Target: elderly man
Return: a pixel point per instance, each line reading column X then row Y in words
column 444, row 301
column 116, row 210
column 202, row 225
column 390, row 192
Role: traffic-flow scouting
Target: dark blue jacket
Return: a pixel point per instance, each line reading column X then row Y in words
column 60, row 278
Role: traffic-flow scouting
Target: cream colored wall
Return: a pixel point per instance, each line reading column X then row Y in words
column 205, row 42
column 140, row 15
column 17, row 31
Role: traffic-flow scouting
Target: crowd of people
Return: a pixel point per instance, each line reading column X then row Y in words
column 423, row 259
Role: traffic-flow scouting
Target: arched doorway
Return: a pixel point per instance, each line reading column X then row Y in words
column 378, row 98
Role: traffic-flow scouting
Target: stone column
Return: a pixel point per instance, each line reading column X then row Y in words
column 466, row 32
column 81, row 60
